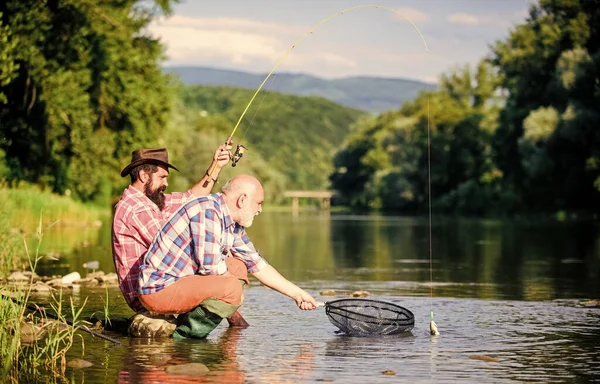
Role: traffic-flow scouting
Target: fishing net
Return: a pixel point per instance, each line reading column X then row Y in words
column 362, row 317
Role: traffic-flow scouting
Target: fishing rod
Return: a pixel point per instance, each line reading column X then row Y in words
column 38, row 308
column 240, row 149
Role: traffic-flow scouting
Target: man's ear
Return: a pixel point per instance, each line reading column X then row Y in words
column 143, row 176
column 241, row 200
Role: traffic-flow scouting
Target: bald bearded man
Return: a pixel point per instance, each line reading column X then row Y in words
column 187, row 269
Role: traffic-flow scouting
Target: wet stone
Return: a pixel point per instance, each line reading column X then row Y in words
column 79, row 363
column 360, row 294
column 109, row 278
column 329, row 292
column 41, row 288
column 190, row 369
column 157, row 359
column 87, row 282
column 147, row 325
column 389, row 372
column 30, row 333
column 18, row 276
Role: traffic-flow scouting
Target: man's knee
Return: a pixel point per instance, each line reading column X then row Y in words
column 237, row 268
column 234, row 291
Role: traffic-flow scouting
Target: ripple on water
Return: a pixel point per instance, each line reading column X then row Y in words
column 480, row 341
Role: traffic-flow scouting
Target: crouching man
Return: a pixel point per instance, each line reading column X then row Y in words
column 187, row 269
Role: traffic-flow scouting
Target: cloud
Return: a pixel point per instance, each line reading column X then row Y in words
column 470, row 19
column 241, row 43
column 238, row 40
column 414, row 15
column 464, row 18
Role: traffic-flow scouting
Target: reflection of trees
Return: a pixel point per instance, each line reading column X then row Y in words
column 294, row 245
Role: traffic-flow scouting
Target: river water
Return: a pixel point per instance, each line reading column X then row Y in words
column 508, row 298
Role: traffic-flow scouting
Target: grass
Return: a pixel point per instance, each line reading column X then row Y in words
column 44, row 353
column 24, row 204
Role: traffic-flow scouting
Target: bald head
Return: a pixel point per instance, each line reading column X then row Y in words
column 244, row 196
column 241, row 184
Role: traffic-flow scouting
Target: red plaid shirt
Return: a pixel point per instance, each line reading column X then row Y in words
column 136, row 222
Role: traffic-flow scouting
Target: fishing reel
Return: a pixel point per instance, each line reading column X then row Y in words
column 239, row 152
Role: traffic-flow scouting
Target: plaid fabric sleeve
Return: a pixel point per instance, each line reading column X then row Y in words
column 244, row 250
column 207, row 242
column 175, row 200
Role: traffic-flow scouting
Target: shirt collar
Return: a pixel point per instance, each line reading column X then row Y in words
column 139, row 195
column 225, row 209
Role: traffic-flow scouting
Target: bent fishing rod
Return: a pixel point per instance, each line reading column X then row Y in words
column 240, row 149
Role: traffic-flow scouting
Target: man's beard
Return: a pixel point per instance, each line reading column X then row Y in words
column 157, row 196
column 247, row 218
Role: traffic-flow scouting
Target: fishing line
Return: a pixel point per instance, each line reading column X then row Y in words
column 257, row 108
column 310, row 32
column 432, row 326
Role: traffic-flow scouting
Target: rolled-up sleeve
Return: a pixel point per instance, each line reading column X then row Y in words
column 244, row 250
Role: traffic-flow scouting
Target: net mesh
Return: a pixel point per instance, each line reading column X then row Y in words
column 361, row 317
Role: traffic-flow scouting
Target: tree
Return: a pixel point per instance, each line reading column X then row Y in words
column 548, row 143
column 83, row 87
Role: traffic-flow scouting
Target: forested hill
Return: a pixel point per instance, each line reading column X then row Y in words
column 370, row 94
column 290, row 139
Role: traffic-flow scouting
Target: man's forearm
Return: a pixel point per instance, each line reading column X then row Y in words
column 207, row 182
column 274, row 280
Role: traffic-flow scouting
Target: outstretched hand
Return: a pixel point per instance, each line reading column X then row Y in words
column 305, row 301
column 223, row 153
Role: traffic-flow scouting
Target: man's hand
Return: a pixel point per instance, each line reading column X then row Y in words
column 222, row 154
column 305, row 301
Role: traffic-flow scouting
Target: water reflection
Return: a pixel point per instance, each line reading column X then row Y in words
column 503, row 289
column 488, row 258
column 148, row 360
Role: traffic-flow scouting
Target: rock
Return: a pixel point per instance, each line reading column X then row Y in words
column 360, row 294
column 590, row 303
column 87, row 282
column 389, row 372
column 190, row 369
column 157, row 359
column 79, row 363
column 32, row 276
column 30, row 333
column 17, row 276
column 329, row 292
column 109, row 278
column 55, row 281
column 70, row 278
column 152, row 326
column 40, row 287
column 93, row 265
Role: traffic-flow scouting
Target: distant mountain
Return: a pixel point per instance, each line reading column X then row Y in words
column 372, row 94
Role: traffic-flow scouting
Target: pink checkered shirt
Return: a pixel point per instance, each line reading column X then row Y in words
column 136, row 222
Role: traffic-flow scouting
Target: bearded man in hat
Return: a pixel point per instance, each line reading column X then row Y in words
column 144, row 208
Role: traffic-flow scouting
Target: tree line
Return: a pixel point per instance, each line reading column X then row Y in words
column 81, row 87
column 519, row 133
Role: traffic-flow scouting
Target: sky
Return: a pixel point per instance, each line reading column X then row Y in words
column 254, row 35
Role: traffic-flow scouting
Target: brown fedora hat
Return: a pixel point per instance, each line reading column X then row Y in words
column 158, row 156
